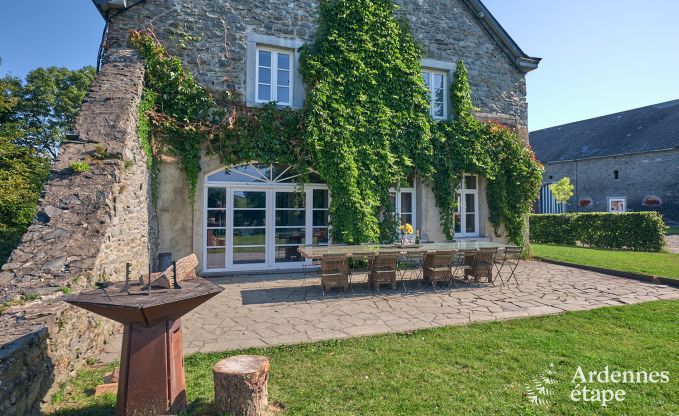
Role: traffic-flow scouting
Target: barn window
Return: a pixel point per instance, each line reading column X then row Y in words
column 652, row 201
column 616, row 174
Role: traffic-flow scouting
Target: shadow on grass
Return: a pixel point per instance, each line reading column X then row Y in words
column 199, row 407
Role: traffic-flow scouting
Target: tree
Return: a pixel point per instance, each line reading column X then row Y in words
column 39, row 111
column 562, row 190
column 34, row 117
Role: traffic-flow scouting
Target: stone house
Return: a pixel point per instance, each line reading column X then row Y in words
column 627, row 161
column 90, row 224
column 252, row 46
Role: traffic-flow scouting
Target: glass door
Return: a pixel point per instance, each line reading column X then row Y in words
column 467, row 215
column 290, row 226
column 249, row 230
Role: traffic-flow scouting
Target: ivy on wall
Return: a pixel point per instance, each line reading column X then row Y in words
column 491, row 150
column 365, row 127
column 367, row 111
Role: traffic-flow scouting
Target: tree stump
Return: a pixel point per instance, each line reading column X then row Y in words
column 241, row 385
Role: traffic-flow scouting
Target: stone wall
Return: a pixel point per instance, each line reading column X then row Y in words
column 211, row 38
column 87, row 227
column 639, row 176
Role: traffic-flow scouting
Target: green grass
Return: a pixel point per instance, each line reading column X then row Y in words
column 479, row 369
column 674, row 230
column 652, row 264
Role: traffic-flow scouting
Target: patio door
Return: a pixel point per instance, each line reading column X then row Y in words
column 250, row 224
column 467, row 216
column 255, row 219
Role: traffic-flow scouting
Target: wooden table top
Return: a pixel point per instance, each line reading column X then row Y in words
column 316, row 252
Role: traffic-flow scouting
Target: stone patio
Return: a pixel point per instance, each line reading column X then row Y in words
column 267, row 310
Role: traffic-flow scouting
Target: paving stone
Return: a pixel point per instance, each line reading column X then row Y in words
column 226, row 323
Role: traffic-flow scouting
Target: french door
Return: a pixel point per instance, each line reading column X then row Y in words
column 259, row 228
column 467, row 216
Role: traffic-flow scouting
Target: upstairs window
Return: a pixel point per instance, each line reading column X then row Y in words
column 436, row 82
column 274, row 76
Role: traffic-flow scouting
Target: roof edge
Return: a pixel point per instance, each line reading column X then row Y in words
column 524, row 62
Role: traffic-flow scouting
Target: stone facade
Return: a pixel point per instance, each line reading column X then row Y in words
column 640, row 176
column 215, row 38
column 88, row 226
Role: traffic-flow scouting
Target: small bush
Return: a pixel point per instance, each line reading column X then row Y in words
column 642, row 231
column 80, row 167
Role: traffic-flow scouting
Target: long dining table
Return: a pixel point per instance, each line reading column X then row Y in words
column 363, row 250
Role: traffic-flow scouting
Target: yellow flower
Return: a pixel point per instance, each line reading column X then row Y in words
column 406, row 228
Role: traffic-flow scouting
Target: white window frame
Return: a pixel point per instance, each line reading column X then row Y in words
column 446, row 89
column 398, row 208
column 617, row 198
column 270, row 236
column 462, row 207
column 274, row 74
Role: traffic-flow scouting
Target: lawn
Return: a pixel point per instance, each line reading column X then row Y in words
column 673, row 230
column 652, row 264
column 481, row 369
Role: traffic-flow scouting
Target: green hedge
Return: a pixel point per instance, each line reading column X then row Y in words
column 642, row 231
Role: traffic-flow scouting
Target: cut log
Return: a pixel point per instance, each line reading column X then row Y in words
column 186, row 270
column 241, row 385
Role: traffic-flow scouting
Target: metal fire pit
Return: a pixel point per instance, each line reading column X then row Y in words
column 151, row 378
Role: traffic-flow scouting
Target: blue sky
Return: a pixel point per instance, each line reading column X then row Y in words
column 599, row 56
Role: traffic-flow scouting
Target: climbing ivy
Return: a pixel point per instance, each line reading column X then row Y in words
column 367, row 111
column 365, row 127
column 491, row 150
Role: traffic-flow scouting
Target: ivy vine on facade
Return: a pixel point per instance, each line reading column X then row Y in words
column 380, row 129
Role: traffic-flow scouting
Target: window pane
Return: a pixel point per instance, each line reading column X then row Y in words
column 290, row 235
column 216, row 198
column 290, row 218
column 249, row 199
column 249, row 237
column 264, row 76
column 249, row 218
column 427, row 79
column 283, row 78
column 437, row 110
column 458, row 219
column 248, row 255
column 438, row 95
column 470, row 226
column 216, row 218
column 470, row 182
column 264, row 93
column 320, row 218
column 320, row 198
column 289, row 200
column 470, row 203
column 283, row 61
column 438, row 81
column 288, row 255
column 264, row 58
column 406, row 202
column 283, row 95
column 216, row 258
column 216, row 238
column 406, row 219
column 320, row 236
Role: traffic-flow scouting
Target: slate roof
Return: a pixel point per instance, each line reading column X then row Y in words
column 655, row 127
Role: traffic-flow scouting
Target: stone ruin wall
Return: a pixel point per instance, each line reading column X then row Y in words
column 87, row 227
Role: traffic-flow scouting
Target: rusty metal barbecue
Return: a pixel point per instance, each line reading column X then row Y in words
column 151, row 378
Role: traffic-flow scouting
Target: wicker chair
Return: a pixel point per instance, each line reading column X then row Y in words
column 334, row 271
column 437, row 267
column 483, row 264
column 383, row 269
